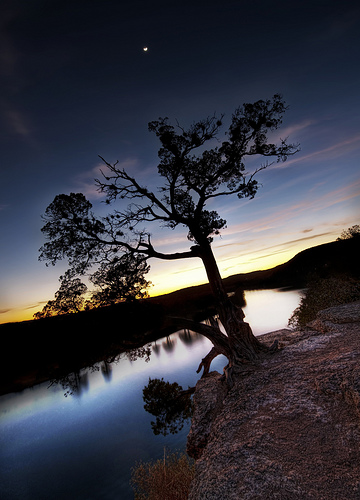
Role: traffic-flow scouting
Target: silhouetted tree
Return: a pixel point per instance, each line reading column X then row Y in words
column 121, row 278
column 350, row 233
column 68, row 299
column 192, row 177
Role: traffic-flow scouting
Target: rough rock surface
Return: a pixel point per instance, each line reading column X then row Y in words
column 290, row 427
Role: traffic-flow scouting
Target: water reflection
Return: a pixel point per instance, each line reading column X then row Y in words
column 84, row 447
column 106, row 370
column 265, row 310
column 169, row 344
column 270, row 310
column 74, row 384
column 169, row 403
column 188, row 337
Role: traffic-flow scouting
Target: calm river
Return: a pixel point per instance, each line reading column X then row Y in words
column 83, row 447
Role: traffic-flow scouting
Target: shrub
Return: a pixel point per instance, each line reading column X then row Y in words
column 321, row 294
column 165, row 479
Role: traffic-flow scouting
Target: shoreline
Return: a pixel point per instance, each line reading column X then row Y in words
column 289, row 428
column 32, row 378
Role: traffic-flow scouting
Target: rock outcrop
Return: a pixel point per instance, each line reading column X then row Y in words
column 290, row 427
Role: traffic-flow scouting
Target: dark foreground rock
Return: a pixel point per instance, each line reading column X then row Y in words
column 289, row 428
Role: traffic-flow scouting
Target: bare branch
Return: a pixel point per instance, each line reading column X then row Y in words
column 191, row 176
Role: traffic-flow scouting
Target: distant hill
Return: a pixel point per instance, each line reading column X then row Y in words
column 37, row 350
column 337, row 257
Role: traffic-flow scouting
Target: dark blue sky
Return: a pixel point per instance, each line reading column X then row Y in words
column 76, row 83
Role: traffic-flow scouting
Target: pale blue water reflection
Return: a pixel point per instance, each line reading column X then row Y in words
column 83, row 447
column 269, row 310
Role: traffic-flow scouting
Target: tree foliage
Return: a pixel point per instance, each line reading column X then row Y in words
column 197, row 167
column 350, row 233
column 122, row 278
column 190, row 182
column 68, row 299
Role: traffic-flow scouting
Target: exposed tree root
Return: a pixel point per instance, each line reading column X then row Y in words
column 241, row 349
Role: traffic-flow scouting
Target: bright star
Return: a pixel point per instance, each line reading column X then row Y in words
column 145, row 49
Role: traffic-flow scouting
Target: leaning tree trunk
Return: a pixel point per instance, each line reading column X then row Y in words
column 237, row 344
column 243, row 345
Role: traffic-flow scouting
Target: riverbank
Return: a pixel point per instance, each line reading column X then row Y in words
column 51, row 348
column 289, row 428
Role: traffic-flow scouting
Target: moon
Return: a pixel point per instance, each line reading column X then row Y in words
column 145, row 49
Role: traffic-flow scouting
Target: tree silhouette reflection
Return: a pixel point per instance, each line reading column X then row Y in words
column 143, row 352
column 74, row 384
column 73, row 377
column 156, row 348
column 106, row 370
column 169, row 403
column 188, row 337
column 169, row 344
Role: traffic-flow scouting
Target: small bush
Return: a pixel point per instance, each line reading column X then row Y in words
column 321, row 294
column 165, row 479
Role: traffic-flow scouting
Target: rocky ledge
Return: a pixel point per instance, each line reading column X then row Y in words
column 289, row 428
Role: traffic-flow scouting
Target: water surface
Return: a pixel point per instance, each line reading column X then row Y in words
column 84, row 446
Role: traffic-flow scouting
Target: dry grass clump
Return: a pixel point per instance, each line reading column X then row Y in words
column 165, row 479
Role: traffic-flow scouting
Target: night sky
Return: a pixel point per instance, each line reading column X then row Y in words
column 76, row 83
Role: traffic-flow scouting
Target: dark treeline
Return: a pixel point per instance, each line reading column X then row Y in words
column 39, row 350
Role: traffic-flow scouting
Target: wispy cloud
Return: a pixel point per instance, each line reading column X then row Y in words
column 286, row 213
column 37, row 305
column 169, row 240
column 85, row 181
column 305, row 238
column 292, row 130
column 4, row 311
column 265, row 256
column 339, row 149
column 344, row 193
column 17, row 122
column 281, row 247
